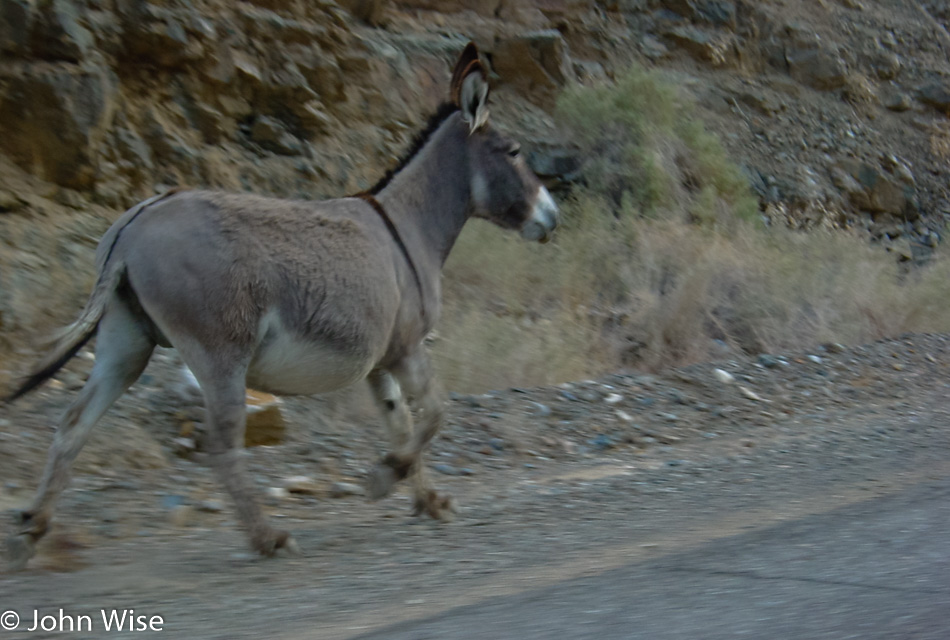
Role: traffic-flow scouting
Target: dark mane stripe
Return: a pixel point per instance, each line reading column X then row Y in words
column 435, row 120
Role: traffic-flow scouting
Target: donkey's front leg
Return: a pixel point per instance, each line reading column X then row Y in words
column 410, row 381
column 392, row 405
column 227, row 413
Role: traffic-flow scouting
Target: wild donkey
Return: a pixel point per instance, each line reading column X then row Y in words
column 294, row 297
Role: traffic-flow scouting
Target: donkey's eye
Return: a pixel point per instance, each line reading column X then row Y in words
column 514, row 151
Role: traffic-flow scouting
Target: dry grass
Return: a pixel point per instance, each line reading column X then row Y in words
column 648, row 294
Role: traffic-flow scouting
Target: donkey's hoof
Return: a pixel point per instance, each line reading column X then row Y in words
column 268, row 542
column 20, row 548
column 439, row 506
column 380, row 482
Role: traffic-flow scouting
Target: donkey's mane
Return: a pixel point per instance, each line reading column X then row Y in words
column 435, row 121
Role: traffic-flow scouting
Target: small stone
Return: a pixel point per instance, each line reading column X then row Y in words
column 344, row 489
column 181, row 515
column 723, row 376
column 265, row 424
column 541, row 410
column 613, row 398
column 278, row 493
column 768, row 361
column 653, row 48
column 623, row 415
column 751, row 395
column 210, row 506
column 183, row 446
column 497, row 444
column 447, row 469
column 815, row 359
column 302, row 484
column 172, row 501
column 646, row 381
column 896, row 101
column 9, row 201
column 602, row 442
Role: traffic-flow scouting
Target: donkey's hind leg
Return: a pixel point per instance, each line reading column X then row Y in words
column 423, row 394
column 225, row 400
column 122, row 352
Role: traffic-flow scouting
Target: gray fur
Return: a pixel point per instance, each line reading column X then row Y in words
column 293, row 297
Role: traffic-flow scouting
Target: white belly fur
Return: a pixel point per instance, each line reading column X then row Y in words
column 286, row 365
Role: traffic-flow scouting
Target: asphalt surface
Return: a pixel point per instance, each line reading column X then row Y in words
column 875, row 569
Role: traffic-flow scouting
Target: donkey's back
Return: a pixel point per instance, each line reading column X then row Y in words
column 306, row 293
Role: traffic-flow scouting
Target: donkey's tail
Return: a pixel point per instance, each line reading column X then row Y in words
column 68, row 341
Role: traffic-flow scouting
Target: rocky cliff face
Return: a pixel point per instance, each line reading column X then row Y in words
column 837, row 109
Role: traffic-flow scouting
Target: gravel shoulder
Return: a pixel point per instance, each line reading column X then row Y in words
column 555, row 484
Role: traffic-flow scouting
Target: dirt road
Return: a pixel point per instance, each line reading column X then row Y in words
column 811, row 504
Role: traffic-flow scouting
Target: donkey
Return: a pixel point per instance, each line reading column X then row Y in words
column 294, row 297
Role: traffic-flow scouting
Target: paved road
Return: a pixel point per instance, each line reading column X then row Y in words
column 875, row 569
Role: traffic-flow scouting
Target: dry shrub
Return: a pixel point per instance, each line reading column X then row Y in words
column 649, row 294
column 662, row 262
column 647, row 153
column 758, row 291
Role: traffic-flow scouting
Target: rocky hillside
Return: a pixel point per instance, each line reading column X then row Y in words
column 836, row 109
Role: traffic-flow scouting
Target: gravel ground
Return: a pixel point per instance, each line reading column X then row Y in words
column 553, row 483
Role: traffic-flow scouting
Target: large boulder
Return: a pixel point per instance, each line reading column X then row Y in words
column 16, row 23
column 53, row 119
column 874, row 190
column 371, row 12
column 534, row 60
column 716, row 12
column 58, row 33
column 164, row 37
column 482, row 7
column 936, row 95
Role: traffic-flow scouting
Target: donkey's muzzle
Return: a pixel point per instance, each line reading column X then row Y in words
column 543, row 220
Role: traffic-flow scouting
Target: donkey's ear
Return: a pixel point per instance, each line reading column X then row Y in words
column 470, row 88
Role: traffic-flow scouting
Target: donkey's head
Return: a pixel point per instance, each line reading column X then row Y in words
column 504, row 190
